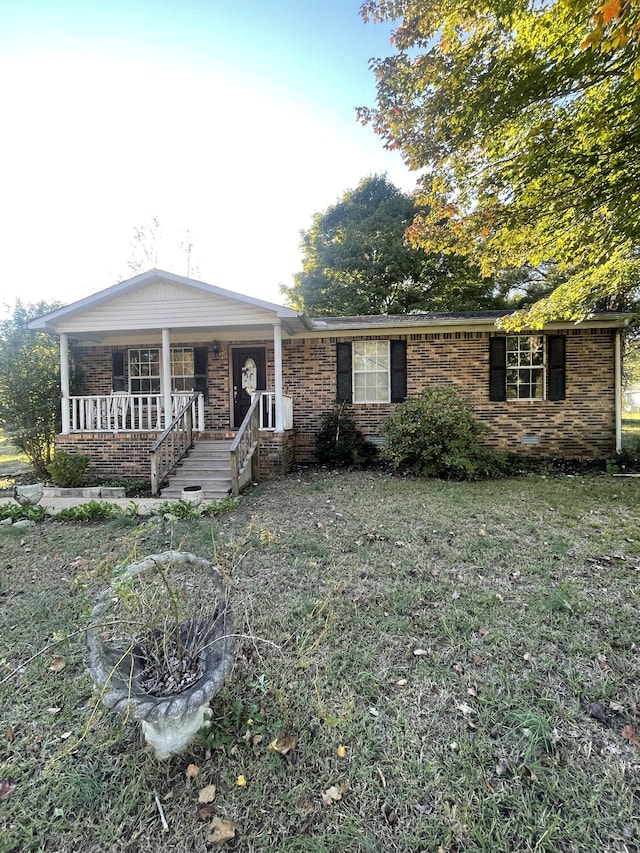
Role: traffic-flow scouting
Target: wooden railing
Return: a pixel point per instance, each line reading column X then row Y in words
column 173, row 444
column 245, row 444
column 120, row 412
column 268, row 411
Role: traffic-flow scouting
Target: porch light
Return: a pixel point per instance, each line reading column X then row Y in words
column 215, row 347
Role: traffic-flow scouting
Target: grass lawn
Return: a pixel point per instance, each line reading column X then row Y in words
column 459, row 662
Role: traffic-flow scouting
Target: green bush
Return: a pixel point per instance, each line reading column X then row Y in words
column 69, row 470
column 340, row 442
column 437, row 435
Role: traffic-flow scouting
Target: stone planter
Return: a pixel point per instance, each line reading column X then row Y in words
column 120, row 665
column 192, row 495
column 28, row 494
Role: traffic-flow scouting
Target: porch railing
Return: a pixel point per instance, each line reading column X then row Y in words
column 173, row 444
column 120, row 412
column 245, row 444
column 268, row 411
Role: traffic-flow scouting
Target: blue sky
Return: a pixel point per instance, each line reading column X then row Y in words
column 231, row 122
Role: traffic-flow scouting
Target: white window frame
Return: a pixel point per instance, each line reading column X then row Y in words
column 520, row 360
column 363, row 371
column 153, row 376
column 186, row 379
column 142, row 378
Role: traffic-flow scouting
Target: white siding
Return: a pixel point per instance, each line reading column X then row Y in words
column 163, row 305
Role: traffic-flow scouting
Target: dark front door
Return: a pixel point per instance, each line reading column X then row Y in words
column 249, row 375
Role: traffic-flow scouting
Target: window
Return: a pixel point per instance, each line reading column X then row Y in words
column 182, row 372
column 144, row 371
column 525, row 367
column 371, row 372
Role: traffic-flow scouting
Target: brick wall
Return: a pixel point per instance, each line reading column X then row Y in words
column 121, row 456
column 581, row 426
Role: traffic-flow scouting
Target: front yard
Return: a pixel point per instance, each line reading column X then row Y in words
column 457, row 668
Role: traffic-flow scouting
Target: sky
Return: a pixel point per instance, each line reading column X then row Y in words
column 230, row 123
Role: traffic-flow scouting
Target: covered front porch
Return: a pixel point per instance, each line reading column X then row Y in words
column 157, row 363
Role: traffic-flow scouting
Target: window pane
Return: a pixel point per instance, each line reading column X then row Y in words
column 371, row 371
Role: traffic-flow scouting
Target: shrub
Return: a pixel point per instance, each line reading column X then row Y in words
column 69, row 470
column 437, row 435
column 340, row 442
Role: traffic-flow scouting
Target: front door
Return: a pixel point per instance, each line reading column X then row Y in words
column 249, row 375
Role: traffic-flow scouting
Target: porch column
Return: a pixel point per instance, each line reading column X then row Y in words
column 277, row 375
column 64, row 383
column 166, row 376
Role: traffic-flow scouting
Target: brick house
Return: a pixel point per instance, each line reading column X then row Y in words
column 250, row 380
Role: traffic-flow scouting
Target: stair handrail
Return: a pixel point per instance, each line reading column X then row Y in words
column 244, row 446
column 173, row 444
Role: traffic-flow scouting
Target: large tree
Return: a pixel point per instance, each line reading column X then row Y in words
column 30, row 385
column 357, row 260
column 524, row 119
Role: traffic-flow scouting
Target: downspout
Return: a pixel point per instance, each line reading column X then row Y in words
column 64, row 383
column 166, row 377
column 618, row 390
column 277, row 371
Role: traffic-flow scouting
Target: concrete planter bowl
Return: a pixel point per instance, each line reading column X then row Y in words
column 28, row 494
column 163, row 671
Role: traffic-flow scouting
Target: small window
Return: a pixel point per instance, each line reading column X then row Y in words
column 525, row 367
column 182, row 371
column 371, row 372
column 144, row 371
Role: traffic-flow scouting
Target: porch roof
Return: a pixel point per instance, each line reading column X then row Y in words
column 158, row 299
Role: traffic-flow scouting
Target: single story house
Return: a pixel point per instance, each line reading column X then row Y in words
column 159, row 366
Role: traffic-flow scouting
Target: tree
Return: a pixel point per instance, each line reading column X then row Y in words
column 30, row 385
column 357, row 261
column 524, row 118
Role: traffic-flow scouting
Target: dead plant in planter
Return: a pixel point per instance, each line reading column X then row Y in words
column 160, row 645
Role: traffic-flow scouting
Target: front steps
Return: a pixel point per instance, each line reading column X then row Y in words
column 207, row 464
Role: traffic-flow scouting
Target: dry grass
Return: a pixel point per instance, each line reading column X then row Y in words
column 473, row 647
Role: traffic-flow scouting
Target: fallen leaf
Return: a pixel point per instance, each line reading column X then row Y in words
column 206, row 812
column 342, row 751
column 6, row 789
column 457, row 667
column 628, row 733
column 528, row 773
column 483, row 631
column 54, row 710
column 192, row 771
column 334, row 793
column 58, row 664
column 241, row 782
column 616, row 707
column 284, row 744
column 389, row 814
column 472, row 691
column 256, row 740
column 207, row 794
column 478, row 660
column 420, row 652
column 490, row 787
column 10, row 733
column 466, row 709
column 401, row 682
column 383, row 781
column 65, row 735
column 502, row 767
column 221, row 831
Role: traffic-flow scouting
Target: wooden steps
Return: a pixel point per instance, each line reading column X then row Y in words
column 207, row 464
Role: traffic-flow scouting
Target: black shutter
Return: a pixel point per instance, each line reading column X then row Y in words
column 200, row 384
column 118, row 372
column 398, row 371
column 343, row 373
column 556, row 370
column 498, row 369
